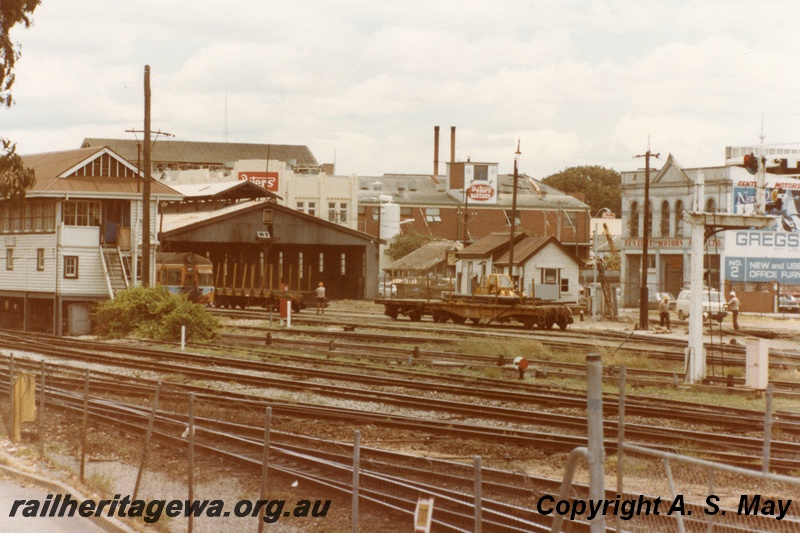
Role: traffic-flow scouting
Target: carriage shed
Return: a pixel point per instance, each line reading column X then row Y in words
column 274, row 244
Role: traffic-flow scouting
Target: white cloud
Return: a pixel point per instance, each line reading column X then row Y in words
column 578, row 83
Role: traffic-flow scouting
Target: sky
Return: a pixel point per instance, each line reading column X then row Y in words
column 363, row 83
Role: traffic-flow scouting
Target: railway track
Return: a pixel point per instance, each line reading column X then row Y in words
column 660, row 347
column 390, row 480
column 521, row 409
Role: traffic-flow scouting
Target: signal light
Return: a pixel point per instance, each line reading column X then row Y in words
column 751, row 163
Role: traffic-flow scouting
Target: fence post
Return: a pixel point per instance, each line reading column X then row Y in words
column 478, row 495
column 356, row 462
column 594, row 407
column 41, row 416
column 767, row 430
column 621, row 438
column 85, row 423
column 265, row 466
column 674, row 493
column 191, row 458
column 11, row 410
column 147, row 437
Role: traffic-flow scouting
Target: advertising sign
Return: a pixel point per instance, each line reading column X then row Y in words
column 771, row 255
column 480, row 183
column 268, row 180
column 757, row 255
column 782, row 199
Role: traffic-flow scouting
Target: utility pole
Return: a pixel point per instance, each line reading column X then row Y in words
column 145, row 168
column 513, row 216
column 643, row 296
column 146, row 188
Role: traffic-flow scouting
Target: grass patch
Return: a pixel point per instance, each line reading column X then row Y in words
column 101, row 482
column 507, row 348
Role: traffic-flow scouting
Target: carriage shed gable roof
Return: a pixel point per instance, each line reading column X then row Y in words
column 530, row 246
column 489, row 245
column 425, row 257
column 239, row 223
column 211, row 153
column 223, row 190
column 55, row 175
column 177, row 258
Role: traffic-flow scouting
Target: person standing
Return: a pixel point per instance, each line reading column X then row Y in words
column 663, row 312
column 320, row 298
column 733, row 307
column 583, row 302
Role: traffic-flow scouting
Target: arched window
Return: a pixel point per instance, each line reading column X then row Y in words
column 633, row 223
column 711, row 206
column 679, row 218
column 665, row 219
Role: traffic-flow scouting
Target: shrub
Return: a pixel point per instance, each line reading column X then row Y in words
column 153, row 313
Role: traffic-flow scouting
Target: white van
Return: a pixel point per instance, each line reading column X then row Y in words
column 713, row 303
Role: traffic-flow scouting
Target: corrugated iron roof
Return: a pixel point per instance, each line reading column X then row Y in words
column 50, row 166
column 489, row 244
column 530, row 246
column 175, row 222
column 213, row 153
column 223, row 189
column 425, row 257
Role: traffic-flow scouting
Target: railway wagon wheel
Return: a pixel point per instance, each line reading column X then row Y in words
column 459, row 319
column 392, row 312
column 562, row 323
column 415, row 315
column 475, row 321
column 439, row 316
column 529, row 322
column 550, row 322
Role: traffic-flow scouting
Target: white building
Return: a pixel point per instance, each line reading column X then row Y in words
column 757, row 264
column 74, row 240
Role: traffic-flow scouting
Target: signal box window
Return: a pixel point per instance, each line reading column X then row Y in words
column 550, row 276
column 71, row 266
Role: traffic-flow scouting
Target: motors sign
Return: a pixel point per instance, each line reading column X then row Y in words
column 268, row 180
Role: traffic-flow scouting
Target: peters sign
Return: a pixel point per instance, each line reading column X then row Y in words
column 268, row 180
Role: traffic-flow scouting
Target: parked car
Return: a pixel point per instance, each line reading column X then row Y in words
column 788, row 304
column 714, row 304
column 656, row 297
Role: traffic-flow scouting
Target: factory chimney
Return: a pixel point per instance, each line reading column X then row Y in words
column 452, row 144
column 435, row 151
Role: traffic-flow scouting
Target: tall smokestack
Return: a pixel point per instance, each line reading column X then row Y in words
column 452, row 144
column 436, row 151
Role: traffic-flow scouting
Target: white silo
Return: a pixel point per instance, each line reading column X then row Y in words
column 390, row 225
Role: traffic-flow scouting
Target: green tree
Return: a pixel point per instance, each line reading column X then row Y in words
column 600, row 186
column 405, row 243
column 154, row 313
column 15, row 179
